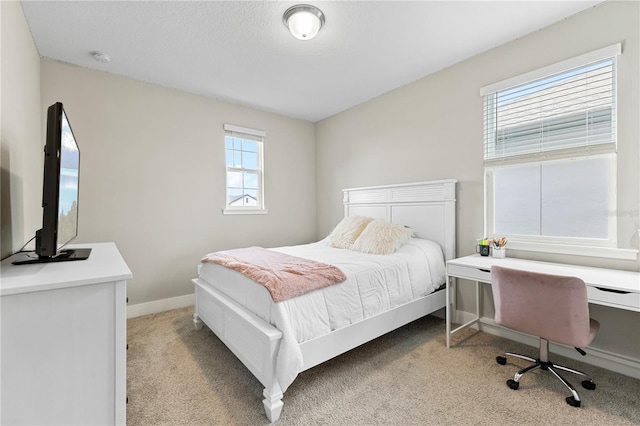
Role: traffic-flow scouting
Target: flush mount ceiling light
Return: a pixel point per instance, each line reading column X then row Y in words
column 304, row 21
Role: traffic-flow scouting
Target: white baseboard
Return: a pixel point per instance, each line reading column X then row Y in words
column 598, row 357
column 160, row 306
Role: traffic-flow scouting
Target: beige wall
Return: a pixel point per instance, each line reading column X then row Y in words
column 152, row 175
column 20, row 134
column 432, row 129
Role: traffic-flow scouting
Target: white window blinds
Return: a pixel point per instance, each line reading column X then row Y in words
column 562, row 111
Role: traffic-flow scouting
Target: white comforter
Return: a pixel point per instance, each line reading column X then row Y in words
column 375, row 284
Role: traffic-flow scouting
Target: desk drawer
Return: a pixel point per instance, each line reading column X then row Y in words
column 630, row 301
column 469, row 272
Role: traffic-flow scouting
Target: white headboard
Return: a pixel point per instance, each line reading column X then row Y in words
column 429, row 208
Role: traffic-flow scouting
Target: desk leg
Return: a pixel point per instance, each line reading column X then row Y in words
column 478, row 302
column 448, row 311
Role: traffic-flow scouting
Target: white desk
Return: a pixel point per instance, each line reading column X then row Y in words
column 608, row 287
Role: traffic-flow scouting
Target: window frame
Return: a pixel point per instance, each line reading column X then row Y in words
column 540, row 243
column 257, row 136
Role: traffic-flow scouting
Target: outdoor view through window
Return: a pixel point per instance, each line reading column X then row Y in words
column 242, row 160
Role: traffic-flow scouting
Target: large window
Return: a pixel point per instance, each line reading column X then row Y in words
column 244, row 170
column 550, row 155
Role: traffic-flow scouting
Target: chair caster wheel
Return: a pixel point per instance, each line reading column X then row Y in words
column 572, row 401
column 513, row 384
column 501, row 360
column 588, row 384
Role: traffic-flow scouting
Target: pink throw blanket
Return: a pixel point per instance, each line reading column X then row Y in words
column 283, row 275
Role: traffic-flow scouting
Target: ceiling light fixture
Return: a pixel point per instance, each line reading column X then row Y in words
column 304, row 21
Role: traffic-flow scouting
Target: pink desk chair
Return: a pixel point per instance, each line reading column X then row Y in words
column 554, row 308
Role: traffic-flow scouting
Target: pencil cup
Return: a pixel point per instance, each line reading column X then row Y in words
column 498, row 252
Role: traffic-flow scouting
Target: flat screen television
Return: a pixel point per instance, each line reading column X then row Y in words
column 59, row 192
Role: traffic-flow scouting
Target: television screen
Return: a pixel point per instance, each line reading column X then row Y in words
column 68, row 191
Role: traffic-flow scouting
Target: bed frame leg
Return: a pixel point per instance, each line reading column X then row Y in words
column 272, row 403
column 197, row 322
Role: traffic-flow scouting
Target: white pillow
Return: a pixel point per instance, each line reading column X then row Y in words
column 347, row 231
column 382, row 237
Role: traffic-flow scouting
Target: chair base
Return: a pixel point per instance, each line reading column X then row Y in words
column 544, row 364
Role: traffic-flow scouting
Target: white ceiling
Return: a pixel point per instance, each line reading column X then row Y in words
column 240, row 51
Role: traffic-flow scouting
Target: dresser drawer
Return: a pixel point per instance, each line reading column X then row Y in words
column 469, row 272
column 615, row 299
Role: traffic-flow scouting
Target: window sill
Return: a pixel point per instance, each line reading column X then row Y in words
column 605, row 252
column 244, row 211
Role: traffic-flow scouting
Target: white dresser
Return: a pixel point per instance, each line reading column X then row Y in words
column 63, row 340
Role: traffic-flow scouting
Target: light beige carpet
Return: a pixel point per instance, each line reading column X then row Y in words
column 179, row 376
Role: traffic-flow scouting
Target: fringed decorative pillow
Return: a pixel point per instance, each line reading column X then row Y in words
column 347, row 231
column 382, row 237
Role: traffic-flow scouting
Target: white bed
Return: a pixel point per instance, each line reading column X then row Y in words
column 277, row 341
